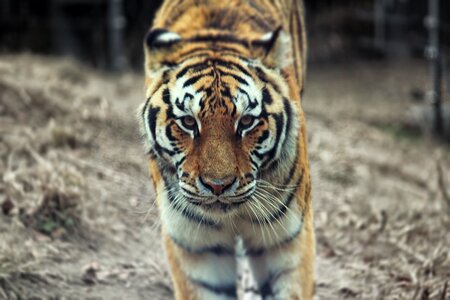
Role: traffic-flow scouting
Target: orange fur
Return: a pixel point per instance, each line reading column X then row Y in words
column 246, row 21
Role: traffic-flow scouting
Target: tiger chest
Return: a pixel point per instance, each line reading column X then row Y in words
column 207, row 248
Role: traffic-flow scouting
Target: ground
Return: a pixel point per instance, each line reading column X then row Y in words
column 78, row 220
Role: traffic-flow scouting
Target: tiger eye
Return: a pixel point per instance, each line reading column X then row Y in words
column 246, row 121
column 188, row 122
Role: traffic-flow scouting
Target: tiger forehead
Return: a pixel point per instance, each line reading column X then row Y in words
column 215, row 87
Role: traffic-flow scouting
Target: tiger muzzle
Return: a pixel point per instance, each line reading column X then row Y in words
column 218, row 186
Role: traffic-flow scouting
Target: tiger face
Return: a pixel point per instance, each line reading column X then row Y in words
column 218, row 127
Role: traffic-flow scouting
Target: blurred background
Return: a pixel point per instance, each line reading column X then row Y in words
column 78, row 218
column 107, row 34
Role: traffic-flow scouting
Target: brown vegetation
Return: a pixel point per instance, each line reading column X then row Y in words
column 77, row 217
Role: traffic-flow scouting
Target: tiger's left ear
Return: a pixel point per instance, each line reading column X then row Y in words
column 273, row 48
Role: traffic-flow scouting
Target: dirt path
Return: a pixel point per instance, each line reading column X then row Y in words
column 78, row 221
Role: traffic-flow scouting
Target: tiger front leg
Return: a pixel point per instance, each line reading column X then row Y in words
column 183, row 290
column 286, row 286
column 296, row 283
column 203, row 276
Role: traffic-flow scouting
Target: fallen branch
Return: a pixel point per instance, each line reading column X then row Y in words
column 441, row 182
column 444, row 292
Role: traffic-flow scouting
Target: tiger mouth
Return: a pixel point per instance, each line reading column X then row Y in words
column 217, row 201
column 222, row 205
column 219, row 205
column 227, row 200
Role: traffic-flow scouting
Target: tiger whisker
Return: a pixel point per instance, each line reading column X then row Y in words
column 274, row 199
column 275, row 207
column 264, row 183
column 252, row 208
column 266, row 215
column 277, row 220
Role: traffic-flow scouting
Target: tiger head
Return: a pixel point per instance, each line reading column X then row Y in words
column 220, row 117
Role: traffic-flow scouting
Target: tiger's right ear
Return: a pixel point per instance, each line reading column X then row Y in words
column 158, row 44
column 161, row 38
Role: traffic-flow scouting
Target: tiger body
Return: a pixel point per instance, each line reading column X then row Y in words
column 227, row 142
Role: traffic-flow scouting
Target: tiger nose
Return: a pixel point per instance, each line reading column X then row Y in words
column 217, row 186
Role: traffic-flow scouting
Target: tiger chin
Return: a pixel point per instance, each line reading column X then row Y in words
column 226, row 137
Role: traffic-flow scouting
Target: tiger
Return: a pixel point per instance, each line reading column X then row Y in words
column 226, row 138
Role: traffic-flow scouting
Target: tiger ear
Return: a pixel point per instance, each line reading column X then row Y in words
column 161, row 38
column 273, row 48
column 158, row 42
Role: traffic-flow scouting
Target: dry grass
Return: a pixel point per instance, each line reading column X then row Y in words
column 381, row 217
column 77, row 217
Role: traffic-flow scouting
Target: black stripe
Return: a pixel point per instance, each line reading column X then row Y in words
column 202, row 220
column 274, row 165
column 206, row 50
column 260, row 251
column 224, row 51
column 203, row 55
column 288, row 110
column 152, row 116
column 218, row 38
column 252, row 290
column 253, row 162
column 263, row 137
column 266, row 97
column 282, row 208
column 225, row 91
column 258, row 155
column 281, row 211
column 245, row 93
column 166, row 167
column 279, row 121
column 263, row 77
column 231, row 65
column 166, row 99
column 177, row 164
column 194, row 79
column 227, row 290
column 266, row 288
column 218, row 250
column 186, row 69
column 234, row 76
column 160, row 150
column 144, row 109
column 169, row 133
column 169, row 64
column 293, row 168
column 191, row 194
column 166, row 96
